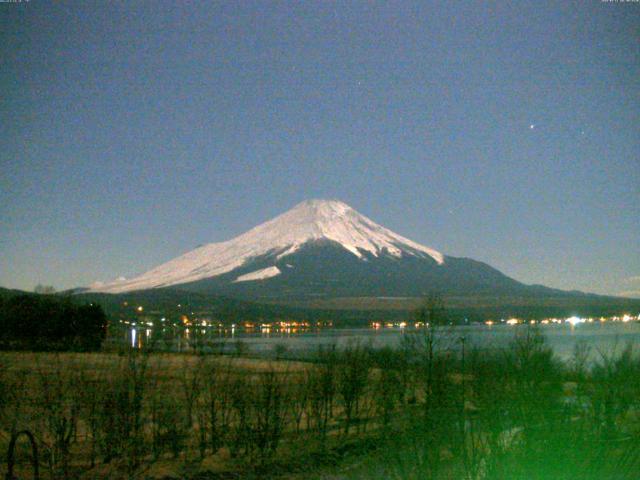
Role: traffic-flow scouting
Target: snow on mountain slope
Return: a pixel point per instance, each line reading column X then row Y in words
column 308, row 221
column 261, row 274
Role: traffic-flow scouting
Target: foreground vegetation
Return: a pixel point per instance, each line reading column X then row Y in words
column 430, row 409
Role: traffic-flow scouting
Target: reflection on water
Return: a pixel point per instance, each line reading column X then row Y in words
column 601, row 337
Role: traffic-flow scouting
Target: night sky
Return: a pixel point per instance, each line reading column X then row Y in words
column 135, row 131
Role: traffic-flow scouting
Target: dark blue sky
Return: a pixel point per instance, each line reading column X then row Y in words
column 134, row 131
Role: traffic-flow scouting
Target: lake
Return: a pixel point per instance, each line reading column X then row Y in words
column 605, row 337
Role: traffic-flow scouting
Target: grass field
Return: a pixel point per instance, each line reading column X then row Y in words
column 420, row 411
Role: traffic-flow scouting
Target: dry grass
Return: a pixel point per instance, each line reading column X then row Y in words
column 408, row 413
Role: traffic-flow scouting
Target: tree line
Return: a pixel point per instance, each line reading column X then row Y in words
column 49, row 322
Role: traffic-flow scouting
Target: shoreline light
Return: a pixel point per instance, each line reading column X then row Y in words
column 575, row 320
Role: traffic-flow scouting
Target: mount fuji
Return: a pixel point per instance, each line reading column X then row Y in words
column 322, row 249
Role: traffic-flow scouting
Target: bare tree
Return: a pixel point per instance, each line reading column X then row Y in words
column 322, row 390
column 215, row 407
column 268, row 416
column 60, row 401
column 352, row 375
column 44, row 289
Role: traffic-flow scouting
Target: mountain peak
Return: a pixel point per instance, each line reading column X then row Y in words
column 308, row 221
column 322, row 208
column 320, row 202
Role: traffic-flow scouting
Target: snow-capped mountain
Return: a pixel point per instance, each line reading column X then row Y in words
column 308, row 222
column 321, row 249
column 324, row 255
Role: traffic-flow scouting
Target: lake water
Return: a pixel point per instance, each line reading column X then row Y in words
column 606, row 337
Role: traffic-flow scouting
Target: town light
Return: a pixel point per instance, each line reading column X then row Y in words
column 574, row 320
